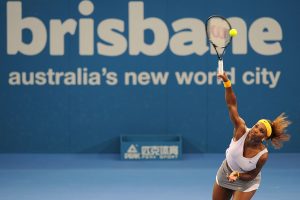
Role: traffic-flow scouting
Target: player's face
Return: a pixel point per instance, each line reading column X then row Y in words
column 258, row 131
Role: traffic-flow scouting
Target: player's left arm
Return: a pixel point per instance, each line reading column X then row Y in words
column 252, row 174
column 248, row 176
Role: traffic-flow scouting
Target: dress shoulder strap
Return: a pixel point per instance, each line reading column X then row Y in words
column 261, row 153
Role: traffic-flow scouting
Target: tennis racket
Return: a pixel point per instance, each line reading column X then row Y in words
column 217, row 30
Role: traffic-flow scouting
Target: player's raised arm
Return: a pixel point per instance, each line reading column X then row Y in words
column 231, row 102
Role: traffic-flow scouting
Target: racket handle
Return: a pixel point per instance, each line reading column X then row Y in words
column 220, row 67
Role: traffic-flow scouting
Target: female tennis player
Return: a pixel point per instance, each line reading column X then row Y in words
column 239, row 175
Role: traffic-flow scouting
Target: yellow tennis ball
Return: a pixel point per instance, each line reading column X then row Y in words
column 233, row 32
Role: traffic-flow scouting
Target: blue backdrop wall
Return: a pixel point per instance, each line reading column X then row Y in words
column 75, row 75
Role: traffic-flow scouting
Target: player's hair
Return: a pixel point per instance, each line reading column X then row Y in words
column 279, row 135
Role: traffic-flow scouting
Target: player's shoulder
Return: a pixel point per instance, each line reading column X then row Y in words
column 241, row 125
column 264, row 157
column 240, row 130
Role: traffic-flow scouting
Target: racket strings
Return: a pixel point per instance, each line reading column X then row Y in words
column 217, row 29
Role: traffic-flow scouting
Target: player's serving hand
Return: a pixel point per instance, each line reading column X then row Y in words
column 223, row 76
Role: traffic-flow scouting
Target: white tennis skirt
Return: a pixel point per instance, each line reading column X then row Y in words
column 238, row 185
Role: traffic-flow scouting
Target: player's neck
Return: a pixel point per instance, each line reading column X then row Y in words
column 253, row 144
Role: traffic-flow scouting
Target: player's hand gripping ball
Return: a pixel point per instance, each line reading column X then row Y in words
column 233, row 32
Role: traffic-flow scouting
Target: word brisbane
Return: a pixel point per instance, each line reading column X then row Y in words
column 136, row 35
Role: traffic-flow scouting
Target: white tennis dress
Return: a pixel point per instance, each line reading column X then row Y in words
column 235, row 158
column 237, row 162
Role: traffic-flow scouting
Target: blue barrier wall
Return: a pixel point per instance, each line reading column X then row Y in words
column 75, row 75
